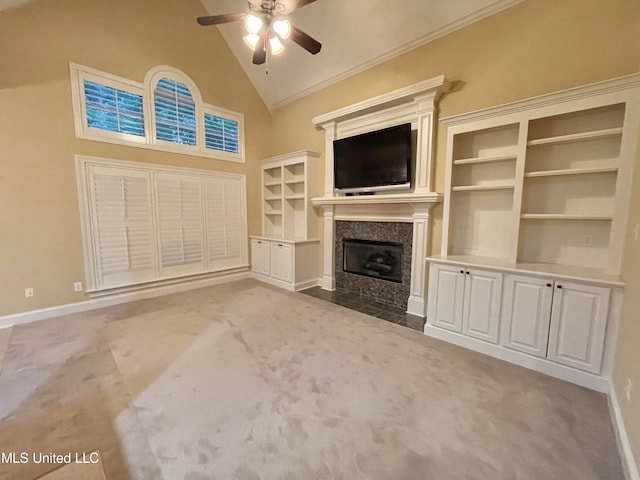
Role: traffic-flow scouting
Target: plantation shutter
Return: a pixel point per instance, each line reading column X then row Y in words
column 122, row 226
column 225, row 223
column 180, row 224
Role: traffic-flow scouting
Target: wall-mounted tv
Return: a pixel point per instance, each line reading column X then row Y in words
column 373, row 161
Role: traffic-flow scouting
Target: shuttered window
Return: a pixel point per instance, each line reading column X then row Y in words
column 144, row 223
column 225, row 235
column 113, row 110
column 175, row 112
column 123, row 227
column 221, row 133
column 180, row 223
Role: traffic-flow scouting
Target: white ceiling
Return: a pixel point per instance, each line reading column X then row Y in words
column 355, row 35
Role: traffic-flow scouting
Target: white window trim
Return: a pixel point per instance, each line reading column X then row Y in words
column 80, row 73
column 83, row 163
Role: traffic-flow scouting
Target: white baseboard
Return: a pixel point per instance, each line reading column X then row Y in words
column 624, row 445
column 328, row 283
column 308, row 284
column 569, row 374
column 116, row 299
column 416, row 306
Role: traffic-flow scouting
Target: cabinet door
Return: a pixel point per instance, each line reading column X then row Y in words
column 481, row 311
column 286, row 262
column 446, row 292
column 578, row 324
column 275, row 261
column 258, row 258
column 526, row 312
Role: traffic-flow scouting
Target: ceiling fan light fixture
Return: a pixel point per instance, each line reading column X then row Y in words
column 276, row 45
column 252, row 40
column 282, row 27
column 253, row 23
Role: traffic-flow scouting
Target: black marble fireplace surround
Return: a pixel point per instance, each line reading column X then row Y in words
column 383, row 291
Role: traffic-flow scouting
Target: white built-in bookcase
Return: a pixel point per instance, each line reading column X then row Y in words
column 544, row 181
column 287, row 185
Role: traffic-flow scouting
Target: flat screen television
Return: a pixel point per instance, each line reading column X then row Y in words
column 373, row 161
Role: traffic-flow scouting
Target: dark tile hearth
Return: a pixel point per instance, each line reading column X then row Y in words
column 368, row 306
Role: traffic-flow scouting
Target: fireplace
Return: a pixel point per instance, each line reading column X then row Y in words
column 373, row 258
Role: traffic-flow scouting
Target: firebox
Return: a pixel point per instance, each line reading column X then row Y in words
column 373, row 258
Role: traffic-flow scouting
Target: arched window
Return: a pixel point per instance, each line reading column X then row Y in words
column 175, row 112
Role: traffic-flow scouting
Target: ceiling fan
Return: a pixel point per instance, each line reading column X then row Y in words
column 266, row 24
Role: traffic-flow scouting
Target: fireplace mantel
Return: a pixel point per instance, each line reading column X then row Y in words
column 382, row 199
column 415, row 104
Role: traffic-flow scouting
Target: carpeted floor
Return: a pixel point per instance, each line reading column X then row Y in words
column 245, row 381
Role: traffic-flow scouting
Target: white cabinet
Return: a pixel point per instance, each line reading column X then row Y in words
column 481, row 309
column 558, row 320
column 290, row 264
column 260, row 258
column 526, row 314
column 465, row 300
column 286, row 255
column 578, row 324
column 446, row 292
column 281, row 261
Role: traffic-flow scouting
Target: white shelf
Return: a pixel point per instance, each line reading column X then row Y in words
column 295, row 197
column 563, row 216
column 295, row 180
column 272, row 184
column 497, row 158
column 570, row 171
column 473, row 188
column 270, row 199
column 273, row 213
column 577, row 137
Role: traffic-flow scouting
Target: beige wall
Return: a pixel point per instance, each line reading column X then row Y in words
column 536, row 47
column 627, row 365
column 40, row 240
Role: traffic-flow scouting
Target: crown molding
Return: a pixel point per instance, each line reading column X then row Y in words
column 626, row 82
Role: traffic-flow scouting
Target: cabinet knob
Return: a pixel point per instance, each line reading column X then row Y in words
column 467, row 272
column 548, row 284
column 558, row 286
column 461, row 271
column 279, row 244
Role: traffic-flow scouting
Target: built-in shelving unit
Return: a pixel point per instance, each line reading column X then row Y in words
column 530, row 274
column 287, row 186
column 541, row 185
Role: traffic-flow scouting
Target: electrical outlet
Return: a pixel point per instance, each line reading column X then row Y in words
column 588, row 240
column 28, row 292
column 628, row 389
column 77, row 287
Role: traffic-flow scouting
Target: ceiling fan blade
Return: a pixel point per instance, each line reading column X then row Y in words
column 307, row 42
column 302, row 3
column 260, row 52
column 218, row 19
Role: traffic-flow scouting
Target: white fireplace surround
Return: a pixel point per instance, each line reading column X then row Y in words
column 415, row 104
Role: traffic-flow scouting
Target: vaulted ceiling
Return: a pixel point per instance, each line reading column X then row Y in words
column 355, row 34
